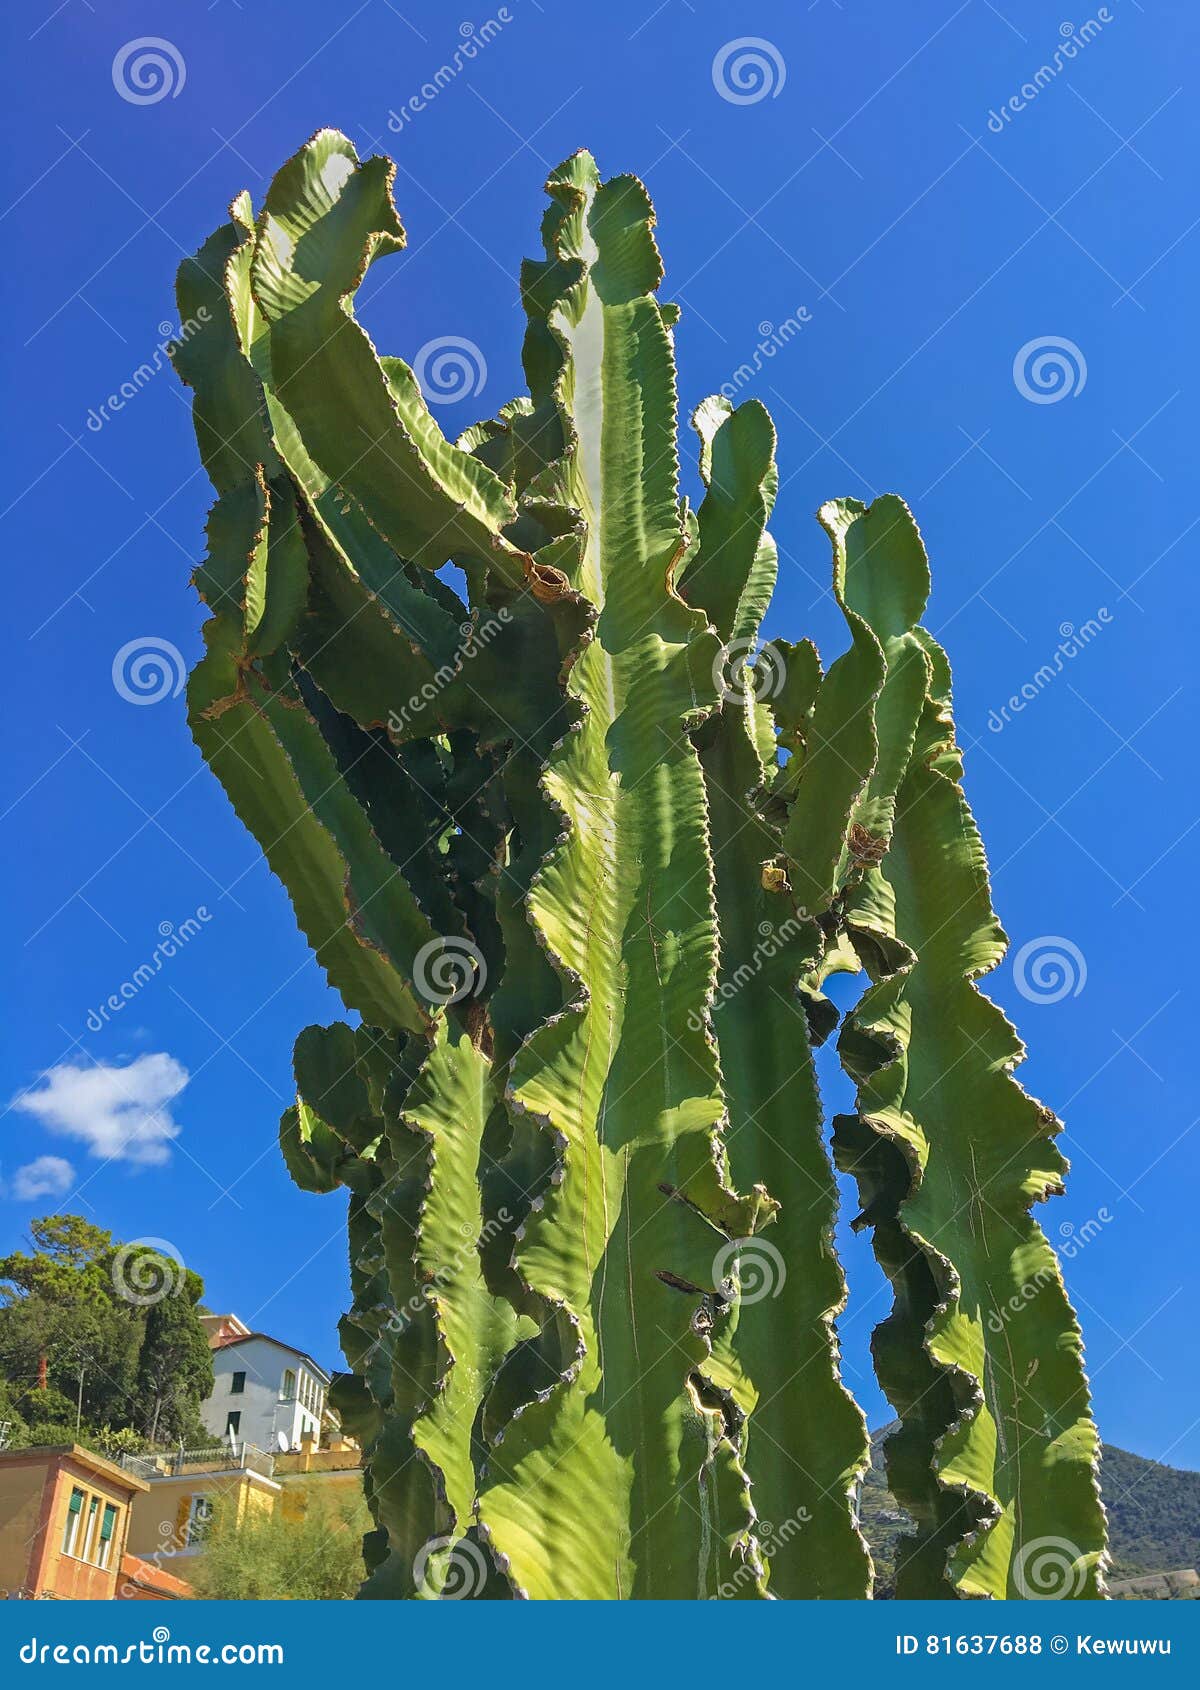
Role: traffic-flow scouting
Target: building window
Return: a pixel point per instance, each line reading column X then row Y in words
column 93, row 1512
column 237, row 1384
column 198, row 1521
column 232, row 1421
column 71, row 1529
column 107, row 1526
column 288, row 1389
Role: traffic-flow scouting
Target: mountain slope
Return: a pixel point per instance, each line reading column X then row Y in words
column 1153, row 1515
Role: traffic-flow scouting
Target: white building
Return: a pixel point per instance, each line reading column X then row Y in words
column 265, row 1392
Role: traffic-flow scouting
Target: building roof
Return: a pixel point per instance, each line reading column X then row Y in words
column 149, row 1577
column 248, row 1337
column 82, row 1457
column 222, row 1327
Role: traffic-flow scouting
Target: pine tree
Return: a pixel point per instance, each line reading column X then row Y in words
column 175, row 1371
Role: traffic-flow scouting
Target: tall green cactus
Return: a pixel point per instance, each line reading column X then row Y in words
column 579, row 871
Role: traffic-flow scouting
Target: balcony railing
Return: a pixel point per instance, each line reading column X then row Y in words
column 222, row 1458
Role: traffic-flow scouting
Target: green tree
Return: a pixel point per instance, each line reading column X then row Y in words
column 62, row 1324
column 13, row 1428
column 175, row 1370
column 44, row 1294
column 99, row 1338
column 69, row 1262
column 316, row 1558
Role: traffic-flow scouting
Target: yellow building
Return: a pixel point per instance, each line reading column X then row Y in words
column 73, row 1524
column 64, row 1522
column 181, row 1493
column 330, row 1478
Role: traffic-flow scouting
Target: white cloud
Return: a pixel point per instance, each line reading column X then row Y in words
column 120, row 1113
column 45, row 1176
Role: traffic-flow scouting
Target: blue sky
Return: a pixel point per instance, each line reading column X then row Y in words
column 932, row 231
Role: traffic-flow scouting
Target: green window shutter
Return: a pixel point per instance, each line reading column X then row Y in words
column 108, row 1522
column 76, row 1501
